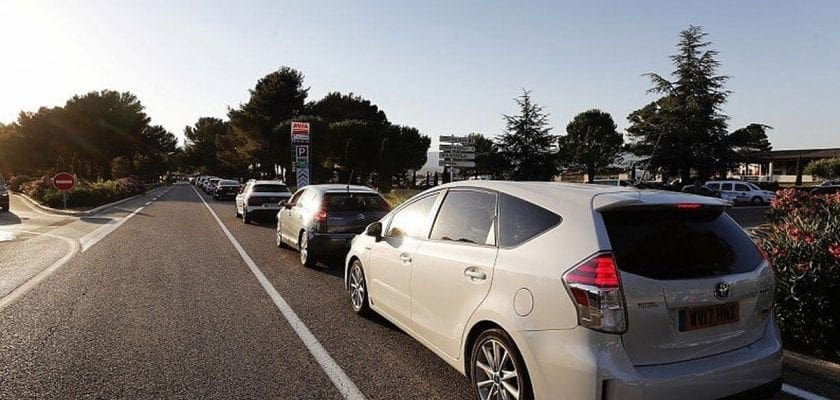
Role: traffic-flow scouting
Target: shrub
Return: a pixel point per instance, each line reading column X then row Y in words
column 803, row 244
column 17, row 181
column 828, row 168
column 85, row 194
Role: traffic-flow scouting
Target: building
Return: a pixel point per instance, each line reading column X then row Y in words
column 783, row 166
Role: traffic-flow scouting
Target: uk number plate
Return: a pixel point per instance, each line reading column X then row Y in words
column 693, row 318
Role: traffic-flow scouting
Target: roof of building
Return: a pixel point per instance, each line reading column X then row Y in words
column 804, row 153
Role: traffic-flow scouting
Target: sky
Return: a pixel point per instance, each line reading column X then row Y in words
column 444, row 67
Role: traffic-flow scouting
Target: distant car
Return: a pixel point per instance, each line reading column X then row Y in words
column 830, row 183
column 740, row 192
column 226, row 189
column 826, row 189
column 612, row 182
column 4, row 195
column 321, row 220
column 538, row 290
column 210, row 187
column 260, row 198
column 702, row 190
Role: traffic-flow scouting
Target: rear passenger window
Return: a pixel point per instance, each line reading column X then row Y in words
column 466, row 216
column 741, row 187
column 715, row 186
column 520, row 220
column 726, row 186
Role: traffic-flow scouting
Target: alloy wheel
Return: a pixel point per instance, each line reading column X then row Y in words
column 357, row 288
column 496, row 375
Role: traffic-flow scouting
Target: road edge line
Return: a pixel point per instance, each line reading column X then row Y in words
column 339, row 378
column 35, row 280
column 801, row 393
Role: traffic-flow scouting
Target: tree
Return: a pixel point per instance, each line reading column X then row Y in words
column 276, row 98
column 527, row 146
column 488, row 160
column 336, row 107
column 200, row 149
column 827, row 169
column 592, row 143
column 685, row 129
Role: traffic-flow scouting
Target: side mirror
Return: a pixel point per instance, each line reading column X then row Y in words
column 286, row 204
column 374, row 230
column 282, row 203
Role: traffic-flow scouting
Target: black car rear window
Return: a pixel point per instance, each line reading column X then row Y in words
column 270, row 188
column 355, row 202
column 679, row 244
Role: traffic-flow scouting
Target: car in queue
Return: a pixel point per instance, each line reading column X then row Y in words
column 226, row 189
column 4, row 195
column 538, row 290
column 211, row 185
column 740, row 192
column 321, row 220
column 260, row 198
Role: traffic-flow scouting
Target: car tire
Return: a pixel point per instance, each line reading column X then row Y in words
column 307, row 259
column 487, row 379
column 246, row 219
column 357, row 289
column 757, row 201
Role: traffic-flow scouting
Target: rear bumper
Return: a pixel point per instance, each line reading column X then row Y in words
column 579, row 363
column 333, row 243
column 259, row 210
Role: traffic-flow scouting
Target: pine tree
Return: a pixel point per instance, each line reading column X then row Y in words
column 527, row 146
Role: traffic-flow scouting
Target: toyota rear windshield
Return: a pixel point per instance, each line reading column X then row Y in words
column 355, row 202
column 669, row 244
column 270, row 188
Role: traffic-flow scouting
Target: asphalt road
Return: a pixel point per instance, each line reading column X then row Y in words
column 166, row 306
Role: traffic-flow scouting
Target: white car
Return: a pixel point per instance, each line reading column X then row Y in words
column 741, row 192
column 260, row 198
column 556, row 291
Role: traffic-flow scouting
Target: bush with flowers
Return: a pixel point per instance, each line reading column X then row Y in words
column 803, row 245
column 86, row 194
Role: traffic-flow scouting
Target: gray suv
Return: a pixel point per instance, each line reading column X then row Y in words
column 4, row 195
column 322, row 220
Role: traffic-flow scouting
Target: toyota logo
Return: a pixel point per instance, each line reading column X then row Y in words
column 722, row 290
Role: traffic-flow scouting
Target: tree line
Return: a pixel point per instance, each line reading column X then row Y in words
column 684, row 133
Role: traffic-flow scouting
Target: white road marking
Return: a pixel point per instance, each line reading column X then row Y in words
column 148, row 202
column 340, row 379
column 801, row 393
column 36, row 210
column 35, row 280
column 94, row 237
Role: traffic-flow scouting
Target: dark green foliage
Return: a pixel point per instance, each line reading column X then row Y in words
column 827, row 169
column 488, row 159
column 591, row 144
column 528, row 147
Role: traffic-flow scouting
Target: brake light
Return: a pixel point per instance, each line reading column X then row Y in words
column 321, row 216
column 596, row 291
column 688, row 206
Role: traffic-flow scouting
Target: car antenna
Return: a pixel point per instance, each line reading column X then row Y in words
column 350, row 180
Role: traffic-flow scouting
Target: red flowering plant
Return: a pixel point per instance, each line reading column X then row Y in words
column 802, row 242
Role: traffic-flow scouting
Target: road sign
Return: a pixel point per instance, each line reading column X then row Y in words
column 452, row 147
column 64, row 181
column 449, row 155
column 302, row 153
column 463, row 164
column 455, row 139
column 300, row 132
column 302, row 177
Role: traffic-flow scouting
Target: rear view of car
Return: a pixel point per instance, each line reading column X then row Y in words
column 226, row 189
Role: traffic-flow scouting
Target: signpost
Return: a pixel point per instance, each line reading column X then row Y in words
column 64, row 181
column 300, row 152
column 456, row 152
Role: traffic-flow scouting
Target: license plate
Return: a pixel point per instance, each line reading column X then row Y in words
column 693, row 318
column 268, row 205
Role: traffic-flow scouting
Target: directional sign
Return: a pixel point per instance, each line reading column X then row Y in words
column 448, row 155
column 300, row 132
column 302, row 177
column 464, row 164
column 64, row 181
column 451, row 147
column 455, row 139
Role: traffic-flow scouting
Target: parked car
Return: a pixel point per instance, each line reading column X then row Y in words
column 612, row 182
column 226, row 189
column 4, row 195
column 321, row 220
column 260, row 198
column 596, row 292
column 826, row 189
column 742, row 192
column 210, row 187
column 701, row 190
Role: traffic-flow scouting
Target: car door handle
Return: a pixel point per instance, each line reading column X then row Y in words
column 474, row 274
column 405, row 258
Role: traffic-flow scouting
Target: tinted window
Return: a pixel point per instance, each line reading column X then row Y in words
column 726, row 186
column 355, row 202
column 466, row 216
column 270, row 188
column 676, row 244
column 715, row 186
column 411, row 220
column 520, row 220
column 741, row 187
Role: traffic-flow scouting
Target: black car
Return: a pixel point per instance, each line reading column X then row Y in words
column 226, row 189
column 702, row 190
column 827, row 189
column 4, row 195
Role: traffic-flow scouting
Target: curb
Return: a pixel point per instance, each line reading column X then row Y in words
column 87, row 213
column 812, row 366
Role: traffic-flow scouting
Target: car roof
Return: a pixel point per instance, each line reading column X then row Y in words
column 589, row 196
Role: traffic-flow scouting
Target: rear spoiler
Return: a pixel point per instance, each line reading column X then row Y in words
column 656, row 199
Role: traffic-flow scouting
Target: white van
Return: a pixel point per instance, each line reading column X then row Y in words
column 742, row 192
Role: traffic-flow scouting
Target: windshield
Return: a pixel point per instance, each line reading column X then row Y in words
column 270, row 188
column 354, row 202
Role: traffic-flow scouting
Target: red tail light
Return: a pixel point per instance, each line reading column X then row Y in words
column 596, row 291
column 688, row 206
column 321, row 216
